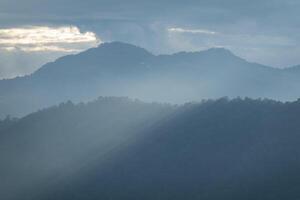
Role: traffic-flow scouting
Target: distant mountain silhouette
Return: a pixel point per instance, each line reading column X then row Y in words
column 120, row 69
column 116, row 148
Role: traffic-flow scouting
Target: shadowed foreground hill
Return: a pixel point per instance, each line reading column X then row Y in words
column 119, row 149
column 52, row 144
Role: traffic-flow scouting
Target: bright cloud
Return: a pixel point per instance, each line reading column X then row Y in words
column 194, row 31
column 43, row 38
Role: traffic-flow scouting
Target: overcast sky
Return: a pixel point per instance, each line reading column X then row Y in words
column 33, row 32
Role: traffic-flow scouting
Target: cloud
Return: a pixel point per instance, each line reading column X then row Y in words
column 194, row 31
column 269, row 49
column 19, row 63
column 247, row 27
column 43, row 38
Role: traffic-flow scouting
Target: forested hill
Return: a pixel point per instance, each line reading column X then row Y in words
column 116, row 148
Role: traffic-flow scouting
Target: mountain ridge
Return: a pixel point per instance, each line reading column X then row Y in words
column 117, row 45
column 121, row 69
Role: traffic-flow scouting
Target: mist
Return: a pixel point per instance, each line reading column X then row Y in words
column 149, row 100
column 121, row 69
column 35, row 157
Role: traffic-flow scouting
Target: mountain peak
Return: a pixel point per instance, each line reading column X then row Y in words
column 219, row 50
column 219, row 54
column 118, row 44
column 117, row 47
column 212, row 54
column 113, row 56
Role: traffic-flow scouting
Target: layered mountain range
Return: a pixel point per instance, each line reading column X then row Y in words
column 120, row 69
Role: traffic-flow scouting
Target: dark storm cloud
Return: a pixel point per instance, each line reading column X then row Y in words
column 207, row 11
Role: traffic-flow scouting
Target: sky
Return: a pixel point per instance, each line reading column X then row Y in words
column 33, row 32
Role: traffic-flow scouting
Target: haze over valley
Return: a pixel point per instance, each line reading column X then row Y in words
column 121, row 69
column 149, row 100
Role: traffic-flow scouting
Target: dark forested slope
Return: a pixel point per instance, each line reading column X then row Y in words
column 55, row 143
column 120, row 149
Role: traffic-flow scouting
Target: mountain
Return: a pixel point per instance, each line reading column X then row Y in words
column 116, row 148
column 120, row 69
